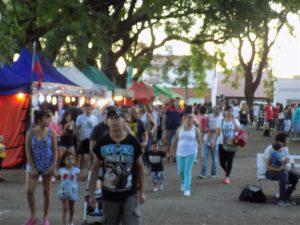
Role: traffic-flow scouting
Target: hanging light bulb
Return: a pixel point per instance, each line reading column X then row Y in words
column 93, row 101
column 41, row 98
column 54, row 100
column 73, row 99
column 81, row 101
column 67, row 99
column 48, row 98
column 20, row 96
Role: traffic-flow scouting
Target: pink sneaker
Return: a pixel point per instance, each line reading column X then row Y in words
column 45, row 222
column 30, row 221
column 226, row 180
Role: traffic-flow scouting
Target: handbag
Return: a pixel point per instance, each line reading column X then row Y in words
column 241, row 138
column 230, row 147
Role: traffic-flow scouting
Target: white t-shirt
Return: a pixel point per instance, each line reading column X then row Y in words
column 86, row 124
column 212, row 124
column 228, row 129
column 236, row 111
column 69, row 173
column 268, row 154
column 256, row 110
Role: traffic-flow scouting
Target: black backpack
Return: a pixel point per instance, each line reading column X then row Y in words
column 252, row 193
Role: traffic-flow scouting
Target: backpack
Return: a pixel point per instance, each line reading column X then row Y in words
column 253, row 193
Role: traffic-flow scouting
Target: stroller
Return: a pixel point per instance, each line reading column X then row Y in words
column 89, row 211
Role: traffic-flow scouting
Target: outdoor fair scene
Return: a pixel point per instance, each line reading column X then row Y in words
column 182, row 112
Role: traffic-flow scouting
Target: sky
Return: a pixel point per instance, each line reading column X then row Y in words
column 284, row 55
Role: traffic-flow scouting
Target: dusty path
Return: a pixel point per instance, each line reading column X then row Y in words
column 211, row 203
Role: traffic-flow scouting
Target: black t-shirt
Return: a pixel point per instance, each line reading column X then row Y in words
column 137, row 128
column 99, row 131
column 119, row 165
column 156, row 160
column 244, row 118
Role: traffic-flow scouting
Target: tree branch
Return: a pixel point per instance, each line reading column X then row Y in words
column 131, row 8
column 241, row 59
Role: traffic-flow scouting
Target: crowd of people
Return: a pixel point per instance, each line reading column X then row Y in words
column 117, row 142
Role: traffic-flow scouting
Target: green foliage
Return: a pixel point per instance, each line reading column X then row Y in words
column 92, row 32
column 269, row 85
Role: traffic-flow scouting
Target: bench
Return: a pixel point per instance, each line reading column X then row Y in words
column 294, row 161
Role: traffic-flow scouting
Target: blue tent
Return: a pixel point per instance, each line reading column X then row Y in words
column 11, row 82
column 23, row 66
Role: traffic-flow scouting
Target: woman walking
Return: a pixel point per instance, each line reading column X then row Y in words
column 225, row 133
column 244, row 116
column 187, row 143
column 40, row 146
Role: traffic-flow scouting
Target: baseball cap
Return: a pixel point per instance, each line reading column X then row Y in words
column 113, row 110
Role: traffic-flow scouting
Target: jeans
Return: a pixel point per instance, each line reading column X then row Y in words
column 158, row 177
column 214, row 159
column 184, row 166
column 282, row 177
column 127, row 211
column 244, row 126
column 287, row 125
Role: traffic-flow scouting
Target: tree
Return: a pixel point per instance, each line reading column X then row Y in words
column 91, row 32
column 259, row 31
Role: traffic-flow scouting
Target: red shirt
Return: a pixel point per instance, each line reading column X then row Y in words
column 275, row 112
column 269, row 112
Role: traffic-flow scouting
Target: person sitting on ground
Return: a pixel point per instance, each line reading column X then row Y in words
column 282, row 174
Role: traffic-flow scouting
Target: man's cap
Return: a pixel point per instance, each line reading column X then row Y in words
column 113, row 110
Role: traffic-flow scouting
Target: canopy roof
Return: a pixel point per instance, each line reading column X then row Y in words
column 165, row 91
column 74, row 74
column 142, row 92
column 97, row 77
column 23, row 67
column 11, row 82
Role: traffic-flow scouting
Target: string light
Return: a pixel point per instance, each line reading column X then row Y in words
column 20, row 96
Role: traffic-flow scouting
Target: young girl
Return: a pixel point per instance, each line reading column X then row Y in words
column 40, row 146
column 67, row 189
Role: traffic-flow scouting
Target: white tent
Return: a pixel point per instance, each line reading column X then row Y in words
column 76, row 76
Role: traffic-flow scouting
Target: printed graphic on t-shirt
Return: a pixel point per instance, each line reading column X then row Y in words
column 155, row 158
column 228, row 130
column 89, row 124
column 134, row 127
column 118, row 161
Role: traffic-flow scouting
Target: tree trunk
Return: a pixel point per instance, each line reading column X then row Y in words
column 249, row 92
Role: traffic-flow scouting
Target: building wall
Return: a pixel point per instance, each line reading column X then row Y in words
column 287, row 90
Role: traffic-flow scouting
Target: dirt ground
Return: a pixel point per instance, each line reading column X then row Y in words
column 211, row 203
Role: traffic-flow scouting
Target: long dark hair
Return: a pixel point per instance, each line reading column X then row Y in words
column 63, row 158
column 64, row 120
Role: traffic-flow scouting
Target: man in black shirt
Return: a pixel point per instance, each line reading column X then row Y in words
column 119, row 154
